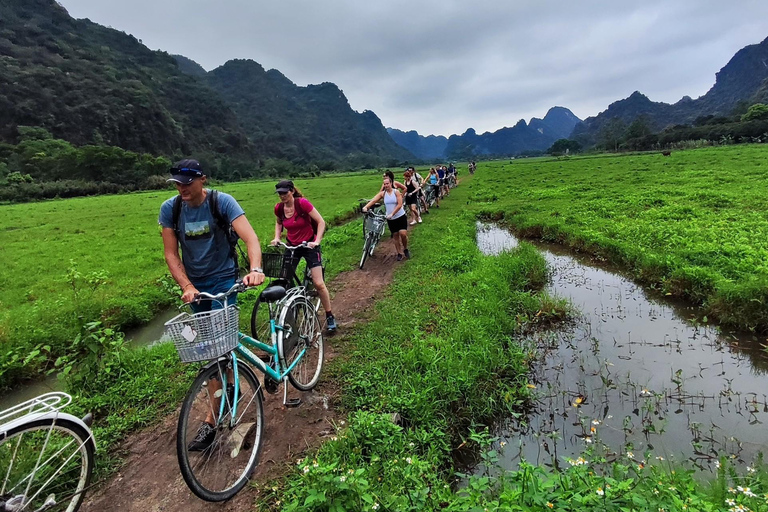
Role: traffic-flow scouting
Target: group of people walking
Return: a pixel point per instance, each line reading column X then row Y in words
column 205, row 224
column 410, row 195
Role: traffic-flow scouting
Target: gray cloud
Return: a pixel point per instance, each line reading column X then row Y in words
column 440, row 67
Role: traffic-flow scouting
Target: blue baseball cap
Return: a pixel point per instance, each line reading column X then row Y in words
column 186, row 171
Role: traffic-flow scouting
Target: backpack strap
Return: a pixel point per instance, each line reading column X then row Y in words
column 176, row 216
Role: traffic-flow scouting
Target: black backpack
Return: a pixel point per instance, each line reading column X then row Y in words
column 223, row 224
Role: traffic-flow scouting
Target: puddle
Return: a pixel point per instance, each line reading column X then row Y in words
column 152, row 332
column 630, row 374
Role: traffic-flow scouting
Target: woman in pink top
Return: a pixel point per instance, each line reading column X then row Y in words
column 303, row 223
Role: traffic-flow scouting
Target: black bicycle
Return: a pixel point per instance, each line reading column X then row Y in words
column 281, row 267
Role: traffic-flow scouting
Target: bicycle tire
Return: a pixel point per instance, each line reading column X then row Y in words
column 366, row 251
column 260, row 327
column 302, row 330
column 374, row 242
column 42, row 439
column 221, row 470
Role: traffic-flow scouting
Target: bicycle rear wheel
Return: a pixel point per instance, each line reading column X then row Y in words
column 45, row 465
column 302, row 333
column 220, row 470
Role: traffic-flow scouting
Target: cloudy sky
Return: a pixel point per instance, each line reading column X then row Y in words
column 440, row 67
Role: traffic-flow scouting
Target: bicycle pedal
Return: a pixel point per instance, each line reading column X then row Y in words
column 292, row 402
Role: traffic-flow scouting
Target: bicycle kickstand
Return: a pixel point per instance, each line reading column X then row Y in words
column 293, row 402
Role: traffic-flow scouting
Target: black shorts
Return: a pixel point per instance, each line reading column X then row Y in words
column 411, row 199
column 313, row 257
column 398, row 224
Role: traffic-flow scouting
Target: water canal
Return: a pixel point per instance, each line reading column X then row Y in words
column 634, row 373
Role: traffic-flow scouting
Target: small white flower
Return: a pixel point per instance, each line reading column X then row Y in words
column 503, row 444
column 375, row 506
column 411, row 445
column 408, row 460
column 630, row 455
column 600, row 491
column 750, row 469
column 342, row 478
column 595, row 422
column 717, row 464
column 306, row 469
column 588, row 440
column 659, row 458
column 730, row 502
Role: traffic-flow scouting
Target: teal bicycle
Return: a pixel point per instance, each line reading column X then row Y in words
column 221, row 423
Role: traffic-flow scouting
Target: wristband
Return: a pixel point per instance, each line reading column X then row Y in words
column 185, row 286
column 258, row 270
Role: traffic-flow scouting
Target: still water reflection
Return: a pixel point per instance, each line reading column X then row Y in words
column 634, row 373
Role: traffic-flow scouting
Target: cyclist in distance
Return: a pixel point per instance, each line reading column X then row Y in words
column 442, row 183
column 411, row 195
column 396, row 218
column 208, row 258
column 303, row 223
column 433, row 181
column 421, row 194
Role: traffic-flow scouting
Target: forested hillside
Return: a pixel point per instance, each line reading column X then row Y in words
column 313, row 123
column 97, row 105
column 739, row 84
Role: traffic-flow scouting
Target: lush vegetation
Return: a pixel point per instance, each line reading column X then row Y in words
column 99, row 259
column 692, row 224
column 445, row 348
column 102, row 96
column 445, row 351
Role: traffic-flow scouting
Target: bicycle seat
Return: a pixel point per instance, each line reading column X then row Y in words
column 272, row 294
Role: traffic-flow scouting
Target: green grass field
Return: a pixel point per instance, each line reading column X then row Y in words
column 694, row 224
column 441, row 348
column 115, row 241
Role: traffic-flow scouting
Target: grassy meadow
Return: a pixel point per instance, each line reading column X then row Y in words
column 445, row 347
column 694, row 224
column 70, row 262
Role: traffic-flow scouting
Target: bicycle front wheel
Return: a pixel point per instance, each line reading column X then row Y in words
column 45, row 465
column 302, row 334
column 217, row 456
column 366, row 250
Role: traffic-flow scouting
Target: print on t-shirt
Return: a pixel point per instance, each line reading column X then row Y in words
column 197, row 230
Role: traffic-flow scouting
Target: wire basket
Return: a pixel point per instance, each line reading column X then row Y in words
column 273, row 265
column 373, row 223
column 204, row 336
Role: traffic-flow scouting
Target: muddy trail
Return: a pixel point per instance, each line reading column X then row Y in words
column 150, row 480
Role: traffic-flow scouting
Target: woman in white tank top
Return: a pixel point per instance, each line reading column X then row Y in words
column 396, row 218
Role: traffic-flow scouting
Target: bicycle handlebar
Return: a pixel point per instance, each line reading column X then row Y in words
column 237, row 287
column 293, row 247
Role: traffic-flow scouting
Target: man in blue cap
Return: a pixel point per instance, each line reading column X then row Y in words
column 198, row 220
column 206, row 263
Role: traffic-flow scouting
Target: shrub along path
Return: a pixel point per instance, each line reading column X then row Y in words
column 150, row 479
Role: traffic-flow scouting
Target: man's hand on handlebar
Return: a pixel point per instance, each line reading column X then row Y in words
column 253, row 278
column 190, row 293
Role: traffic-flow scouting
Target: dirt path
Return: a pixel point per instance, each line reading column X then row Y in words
column 150, row 479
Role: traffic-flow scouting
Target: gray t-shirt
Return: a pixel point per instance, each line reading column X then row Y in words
column 204, row 247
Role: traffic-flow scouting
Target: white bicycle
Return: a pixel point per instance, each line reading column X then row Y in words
column 46, row 456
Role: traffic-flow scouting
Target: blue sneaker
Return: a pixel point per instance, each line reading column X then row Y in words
column 330, row 323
